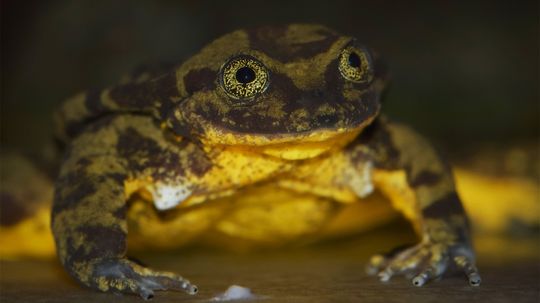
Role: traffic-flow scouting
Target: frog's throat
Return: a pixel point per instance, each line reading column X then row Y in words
column 296, row 146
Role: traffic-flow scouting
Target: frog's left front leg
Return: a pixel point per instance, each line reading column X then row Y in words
column 433, row 206
column 90, row 207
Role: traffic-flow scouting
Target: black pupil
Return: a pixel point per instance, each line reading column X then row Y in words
column 354, row 60
column 245, row 75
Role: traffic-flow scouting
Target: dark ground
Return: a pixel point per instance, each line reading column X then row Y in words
column 333, row 272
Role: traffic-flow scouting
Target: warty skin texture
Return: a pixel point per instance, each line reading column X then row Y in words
column 309, row 131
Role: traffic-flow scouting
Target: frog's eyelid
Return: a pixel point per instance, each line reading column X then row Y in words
column 240, row 56
column 354, row 43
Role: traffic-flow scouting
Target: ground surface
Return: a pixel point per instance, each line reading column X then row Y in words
column 333, row 272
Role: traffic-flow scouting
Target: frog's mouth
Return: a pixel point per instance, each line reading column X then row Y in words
column 307, row 149
column 296, row 146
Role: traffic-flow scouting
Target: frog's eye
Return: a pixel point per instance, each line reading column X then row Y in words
column 244, row 77
column 355, row 65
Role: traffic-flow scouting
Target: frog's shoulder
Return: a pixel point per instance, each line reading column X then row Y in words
column 147, row 90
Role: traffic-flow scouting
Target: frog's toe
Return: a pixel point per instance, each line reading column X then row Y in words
column 377, row 263
column 466, row 264
column 123, row 276
column 398, row 261
column 429, row 272
column 423, row 262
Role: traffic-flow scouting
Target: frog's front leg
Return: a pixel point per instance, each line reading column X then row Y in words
column 433, row 206
column 89, row 215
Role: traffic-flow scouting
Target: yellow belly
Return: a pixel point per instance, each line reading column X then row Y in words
column 256, row 217
column 266, row 216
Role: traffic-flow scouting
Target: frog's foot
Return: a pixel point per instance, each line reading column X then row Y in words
column 124, row 276
column 425, row 262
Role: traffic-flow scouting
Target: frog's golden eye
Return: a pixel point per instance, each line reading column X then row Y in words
column 355, row 65
column 244, row 77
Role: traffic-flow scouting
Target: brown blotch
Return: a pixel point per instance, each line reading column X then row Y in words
column 100, row 242
column 83, row 163
column 141, row 152
column 141, row 97
column 200, row 79
column 121, row 212
column 444, row 207
column 93, row 101
column 77, row 193
column 332, row 77
column 424, row 178
column 384, row 152
column 273, row 41
column 117, row 177
column 198, row 162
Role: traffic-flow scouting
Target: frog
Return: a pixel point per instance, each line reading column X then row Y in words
column 273, row 113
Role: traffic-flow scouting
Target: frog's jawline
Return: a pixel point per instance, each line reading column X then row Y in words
column 217, row 136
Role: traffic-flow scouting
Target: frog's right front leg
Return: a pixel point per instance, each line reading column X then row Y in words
column 89, row 219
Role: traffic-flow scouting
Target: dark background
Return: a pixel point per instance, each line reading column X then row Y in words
column 464, row 73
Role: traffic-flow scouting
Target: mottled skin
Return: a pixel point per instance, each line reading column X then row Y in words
column 309, row 124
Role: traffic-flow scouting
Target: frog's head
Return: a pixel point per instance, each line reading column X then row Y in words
column 292, row 92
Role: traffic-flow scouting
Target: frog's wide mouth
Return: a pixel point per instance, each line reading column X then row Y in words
column 292, row 146
column 306, row 150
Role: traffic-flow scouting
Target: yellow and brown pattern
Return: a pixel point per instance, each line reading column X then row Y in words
column 296, row 119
